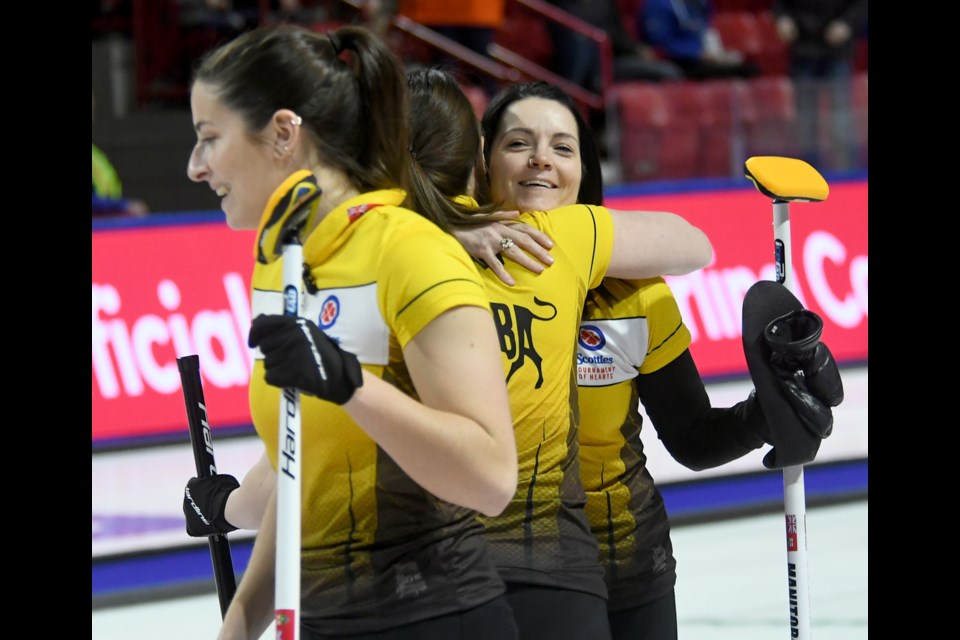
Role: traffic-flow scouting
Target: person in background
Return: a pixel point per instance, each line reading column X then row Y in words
column 108, row 197
column 633, row 349
column 822, row 37
column 471, row 23
column 577, row 58
column 228, row 18
column 406, row 425
column 682, row 31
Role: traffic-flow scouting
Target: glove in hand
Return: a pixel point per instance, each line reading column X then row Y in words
column 204, row 503
column 297, row 354
column 806, row 369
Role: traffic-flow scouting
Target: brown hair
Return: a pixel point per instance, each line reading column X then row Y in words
column 591, row 184
column 446, row 150
column 348, row 87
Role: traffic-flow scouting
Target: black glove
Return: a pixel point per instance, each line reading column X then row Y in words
column 806, row 369
column 297, row 354
column 204, row 502
column 794, row 374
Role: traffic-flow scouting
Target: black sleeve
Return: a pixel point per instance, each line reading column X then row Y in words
column 697, row 435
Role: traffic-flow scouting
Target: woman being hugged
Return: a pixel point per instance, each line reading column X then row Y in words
column 633, row 348
column 406, row 425
column 542, row 543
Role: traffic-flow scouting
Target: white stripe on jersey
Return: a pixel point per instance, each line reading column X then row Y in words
column 624, row 348
column 356, row 324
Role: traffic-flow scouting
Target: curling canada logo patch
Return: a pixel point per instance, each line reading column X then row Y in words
column 329, row 312
column 591, row 337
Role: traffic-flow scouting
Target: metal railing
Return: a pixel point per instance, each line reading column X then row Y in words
column 597, row 35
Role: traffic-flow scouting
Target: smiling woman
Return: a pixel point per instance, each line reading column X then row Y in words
column 541, row 543
column 242, row 169
column 406, row 423
column 535, row 162
column 632, row 350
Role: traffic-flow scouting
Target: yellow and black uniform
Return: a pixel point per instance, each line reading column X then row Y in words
column 628, row 328
column 378, row 551
column 543, row 537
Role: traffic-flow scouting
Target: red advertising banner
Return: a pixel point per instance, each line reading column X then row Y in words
column 160, row 292
column 829, row 258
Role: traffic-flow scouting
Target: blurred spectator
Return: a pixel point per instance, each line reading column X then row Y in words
column 306, row 12
column 577, row 57
column 682, row 31
column 224, row 19
column 108, row 190
column 111, row 17
column 822, row 36
column 471, row 23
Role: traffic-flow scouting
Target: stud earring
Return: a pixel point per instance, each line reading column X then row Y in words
column 297, row 121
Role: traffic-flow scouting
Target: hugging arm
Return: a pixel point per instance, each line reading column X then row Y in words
column 647, row 244
column 529, row 247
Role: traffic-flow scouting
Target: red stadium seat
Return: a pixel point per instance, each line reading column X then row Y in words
column 714, row 108
column 774, row 56
column 860, row 116
column 721, row 132
column 642, row 104
column 659, row 133
column 754, row 34
column 686, row 100
column 770, row 116
column 740, row 31
column 706, row 128
column 640, row 112
column 525, row 33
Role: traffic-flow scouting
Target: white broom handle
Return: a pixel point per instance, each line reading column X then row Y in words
column 287, row 595
column 794, row 494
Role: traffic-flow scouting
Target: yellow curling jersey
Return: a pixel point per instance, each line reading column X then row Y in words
column 628, row 327
column 377, row 550
column 543, row 537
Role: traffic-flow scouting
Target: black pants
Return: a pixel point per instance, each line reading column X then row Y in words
column 656, row 620
column 558, row 614
column 490, row 621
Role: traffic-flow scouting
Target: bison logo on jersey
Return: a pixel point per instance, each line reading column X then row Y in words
column 591, row 338
column 329, row 311
column 515, row 328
